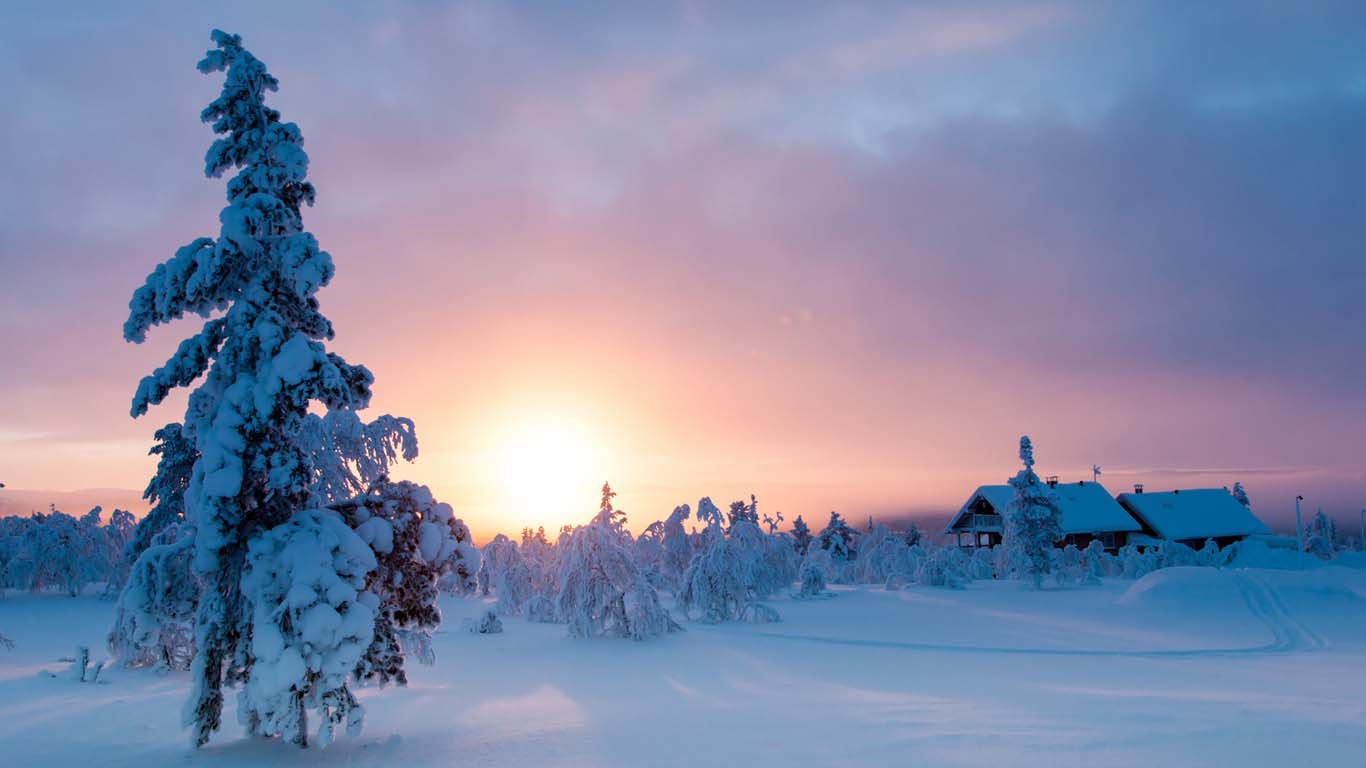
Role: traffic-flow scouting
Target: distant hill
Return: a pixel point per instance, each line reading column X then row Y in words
column 20, row 501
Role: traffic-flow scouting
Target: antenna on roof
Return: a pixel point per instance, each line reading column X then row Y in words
column 1095, row 473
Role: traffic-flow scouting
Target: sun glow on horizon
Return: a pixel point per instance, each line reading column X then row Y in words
column 548, row 473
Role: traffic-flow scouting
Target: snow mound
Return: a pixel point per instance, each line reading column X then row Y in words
column 1185, row 588
column 1350, row 560
column 1256, row 553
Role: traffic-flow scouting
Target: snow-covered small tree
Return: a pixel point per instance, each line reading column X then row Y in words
column 154, row 617
column 801, row 535
column 678, row 549
column 814, row 572
column 649, row 551
column 498, row 555
column 602, row 592
column 942, row 567
column 311, row 623
column 1032, row 520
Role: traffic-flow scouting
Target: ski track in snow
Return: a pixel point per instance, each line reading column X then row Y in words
column 1290, row 635
column 1267, row 605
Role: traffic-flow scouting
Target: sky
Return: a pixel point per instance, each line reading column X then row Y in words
column 839, row 255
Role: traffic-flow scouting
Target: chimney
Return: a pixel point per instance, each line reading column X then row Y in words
column 1052, row 481
column 1138, row 487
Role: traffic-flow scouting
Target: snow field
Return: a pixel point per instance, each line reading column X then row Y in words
column 1187, row 666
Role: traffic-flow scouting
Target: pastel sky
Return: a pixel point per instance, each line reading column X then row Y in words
column 839, row 255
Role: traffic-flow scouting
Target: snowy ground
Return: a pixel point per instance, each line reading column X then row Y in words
column 1186, row 667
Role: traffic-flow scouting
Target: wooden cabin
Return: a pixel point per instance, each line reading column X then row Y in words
column 1088, row 512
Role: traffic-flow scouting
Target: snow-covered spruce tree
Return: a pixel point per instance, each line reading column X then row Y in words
column 1032, row 525
column 602, row 590
column 416, row 541
column 1321, row 539
column 801, row 535
column 912, row 535
column 1240, row 495
column 839, row 539
column 166, row 490
column 262, row 363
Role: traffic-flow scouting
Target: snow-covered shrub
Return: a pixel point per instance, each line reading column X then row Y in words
column 154, row 617
column 879, row 555
column 982, row 564
column 488, row 623
column 311, row 623
column 1137, row 564
column 942, row 567
column 80, row 670
column 1172, row 554
column 1072, row 567
column 541, row 609
column 1094, row 559
column 1210, row 554
column 1031, row 524
column 597, row 573
column 415, row 542
column 813, row 573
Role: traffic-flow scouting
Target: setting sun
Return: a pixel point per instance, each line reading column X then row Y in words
column 548, row 472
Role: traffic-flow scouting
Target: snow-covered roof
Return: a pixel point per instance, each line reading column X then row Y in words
column 1085, row 505
column 1200, row 513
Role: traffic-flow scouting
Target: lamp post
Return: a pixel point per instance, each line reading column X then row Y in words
column 1299, row 533
column 1363, row 530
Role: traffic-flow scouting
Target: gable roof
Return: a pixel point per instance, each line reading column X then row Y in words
column 1086, row 507
column 1200, row 513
